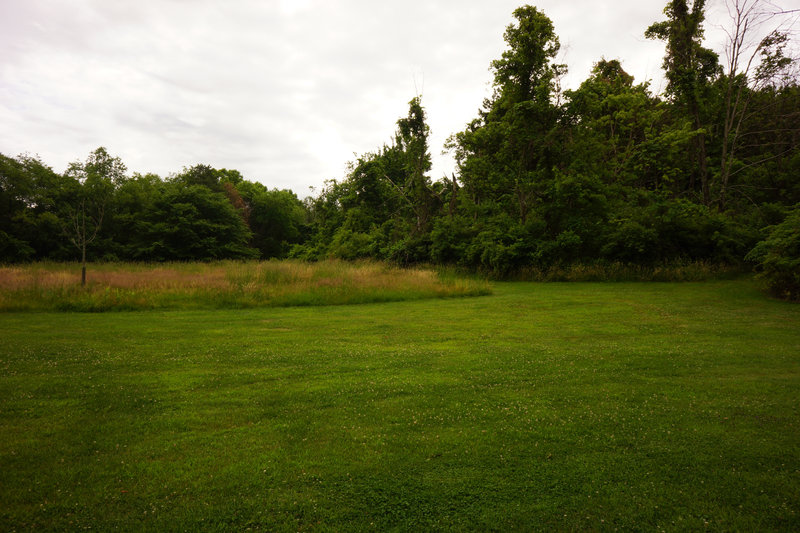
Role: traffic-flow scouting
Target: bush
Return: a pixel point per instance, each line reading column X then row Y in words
column 14, row 250
column 778, row 257
column 348, row 244
column 630, row 241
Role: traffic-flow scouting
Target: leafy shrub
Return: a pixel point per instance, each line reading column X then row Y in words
column 413, row 249
column 778, row 257
column 630, row 240
column 564, row 249
column 449, row 239
column 349, row 244
column 14, row 250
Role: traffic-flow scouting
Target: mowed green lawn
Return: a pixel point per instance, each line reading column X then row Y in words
column 543, row 406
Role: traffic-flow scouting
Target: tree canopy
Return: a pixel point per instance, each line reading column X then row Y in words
column 606, row 172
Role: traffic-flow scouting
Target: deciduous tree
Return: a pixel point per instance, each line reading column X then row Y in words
column 91, row 186
column 689, row 68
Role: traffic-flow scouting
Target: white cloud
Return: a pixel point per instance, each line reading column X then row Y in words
column 283, row 90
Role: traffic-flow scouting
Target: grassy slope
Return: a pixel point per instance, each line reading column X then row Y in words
column 544, row 406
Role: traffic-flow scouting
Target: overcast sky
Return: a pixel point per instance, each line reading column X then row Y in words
column 285, row 91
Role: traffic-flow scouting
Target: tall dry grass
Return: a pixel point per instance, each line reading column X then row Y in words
column 130, row 286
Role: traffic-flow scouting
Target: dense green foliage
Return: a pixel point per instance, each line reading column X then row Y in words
column 606, row 173
column 200, row 214
column 553, row 407
column 778, row 257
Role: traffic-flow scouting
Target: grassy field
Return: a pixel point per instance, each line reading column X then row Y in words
column 581, row 406
column 221, row 285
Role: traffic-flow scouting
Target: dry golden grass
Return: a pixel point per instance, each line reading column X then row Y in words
column 52, row 286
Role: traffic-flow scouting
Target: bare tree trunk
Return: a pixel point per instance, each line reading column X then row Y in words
column 83, row 251
column 701, row 156
column 453, row 195
column 700, row 153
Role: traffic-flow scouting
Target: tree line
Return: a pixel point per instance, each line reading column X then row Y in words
column 201, row 213
column 607, row 172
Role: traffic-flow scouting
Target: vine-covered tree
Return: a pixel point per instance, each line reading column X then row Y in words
column 689, row 68
column 384, row 208
column 507, row 155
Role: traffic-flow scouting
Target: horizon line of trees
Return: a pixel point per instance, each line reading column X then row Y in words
column 606, row 172
column 94, row 208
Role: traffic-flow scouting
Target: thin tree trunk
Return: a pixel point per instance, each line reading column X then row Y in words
column 700, row 142
column 453, row 195
column 83, row 269
column 83, row 247
column 724, row 174
column 704, row 170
